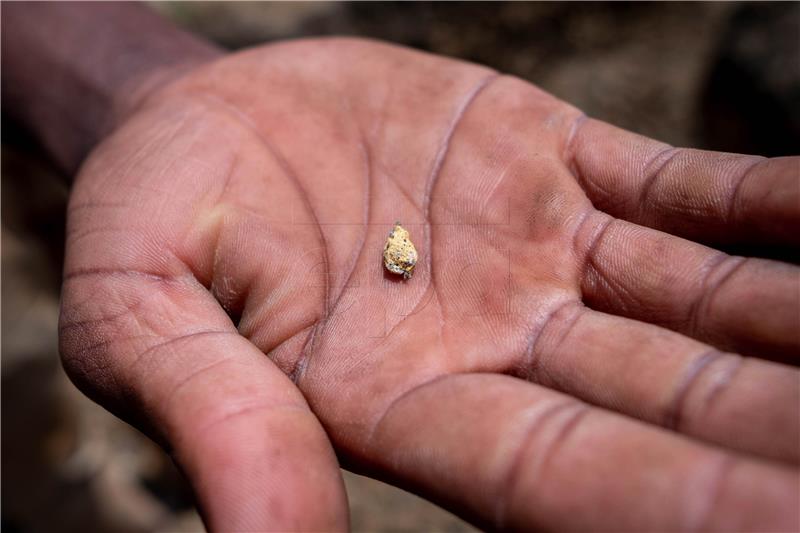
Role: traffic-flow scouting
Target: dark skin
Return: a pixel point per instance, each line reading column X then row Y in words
column 566, row 355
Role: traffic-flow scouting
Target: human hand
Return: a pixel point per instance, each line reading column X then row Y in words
column 241, row 211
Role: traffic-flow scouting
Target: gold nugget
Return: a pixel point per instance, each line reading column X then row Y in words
column 399, row 254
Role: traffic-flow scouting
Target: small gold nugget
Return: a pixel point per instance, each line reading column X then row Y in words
column 399, row 254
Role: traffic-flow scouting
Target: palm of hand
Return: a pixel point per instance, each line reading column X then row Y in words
column 255, row 194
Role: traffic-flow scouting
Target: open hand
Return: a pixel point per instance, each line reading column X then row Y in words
column 564, row 356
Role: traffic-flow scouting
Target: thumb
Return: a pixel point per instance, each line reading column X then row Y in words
column 159, row 351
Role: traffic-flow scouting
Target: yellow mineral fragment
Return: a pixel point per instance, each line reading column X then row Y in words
column 399, row 254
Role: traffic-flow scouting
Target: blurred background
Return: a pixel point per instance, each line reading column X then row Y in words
column 713, row 75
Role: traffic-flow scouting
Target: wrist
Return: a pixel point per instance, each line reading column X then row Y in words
column 72, row 71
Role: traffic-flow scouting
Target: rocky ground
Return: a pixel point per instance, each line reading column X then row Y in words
column 711, row 75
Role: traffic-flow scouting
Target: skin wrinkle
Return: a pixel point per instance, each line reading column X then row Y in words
column 668, row 154
column 620, row 291
column 444, row 147
column 600, row 197
column 403, row 396
column 380, row 125
column 268, row 350
column 108, row 373
column 438, row 164
column 585, row 219
column 367, row 204
column 233, row 110
column 65, row 327
column 573, row 166
column 297, row 371
column 244, row 306
column 498, row 146
column 161, row 192
column 72, row 209
column 173, row 200
column 109, row 342
column 211, row 284
column 567, row 428
column 240, row 117
column 588, row 257
column 165, row 171
column 368, row 176
column 568, row 152
column 674, row 415
column 250, row 407
column 402, row 190
column 725, row 466
column 236, row 300
column 187, row 336
column 127, row 163
column 228, row 178
column 80, row 373
column 76, row 307
column 731, row 213
column 532, row 361
column 723, row 382
column 73, row 238
column 590, row 265
column 689, row 211
column 698, row 310
column 299, row 366
column 421, row 303
column 487, row 197
column 221, row 288
column 578, row 411
column 510, row 479
column 168, row 401
column 131, row 272
column 728, row 217
column 565, row 331
column 138, row 320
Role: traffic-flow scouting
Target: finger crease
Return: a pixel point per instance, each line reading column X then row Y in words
column 576, row 411
column 192, row 376
column 653, row 174
column 188, row 336
column 569, row 145
column 724, row 468
column 567, row 313
column 674, row 414
column 721, row 269
column 722, row 381
column 512, row 475
column 250, row 408
column 127, row 272
column 400, row 398
column 733, row 202
column 594, row 244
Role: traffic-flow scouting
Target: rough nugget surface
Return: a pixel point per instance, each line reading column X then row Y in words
column 399, row 254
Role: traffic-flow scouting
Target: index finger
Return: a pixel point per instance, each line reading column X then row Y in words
column 709, row 196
